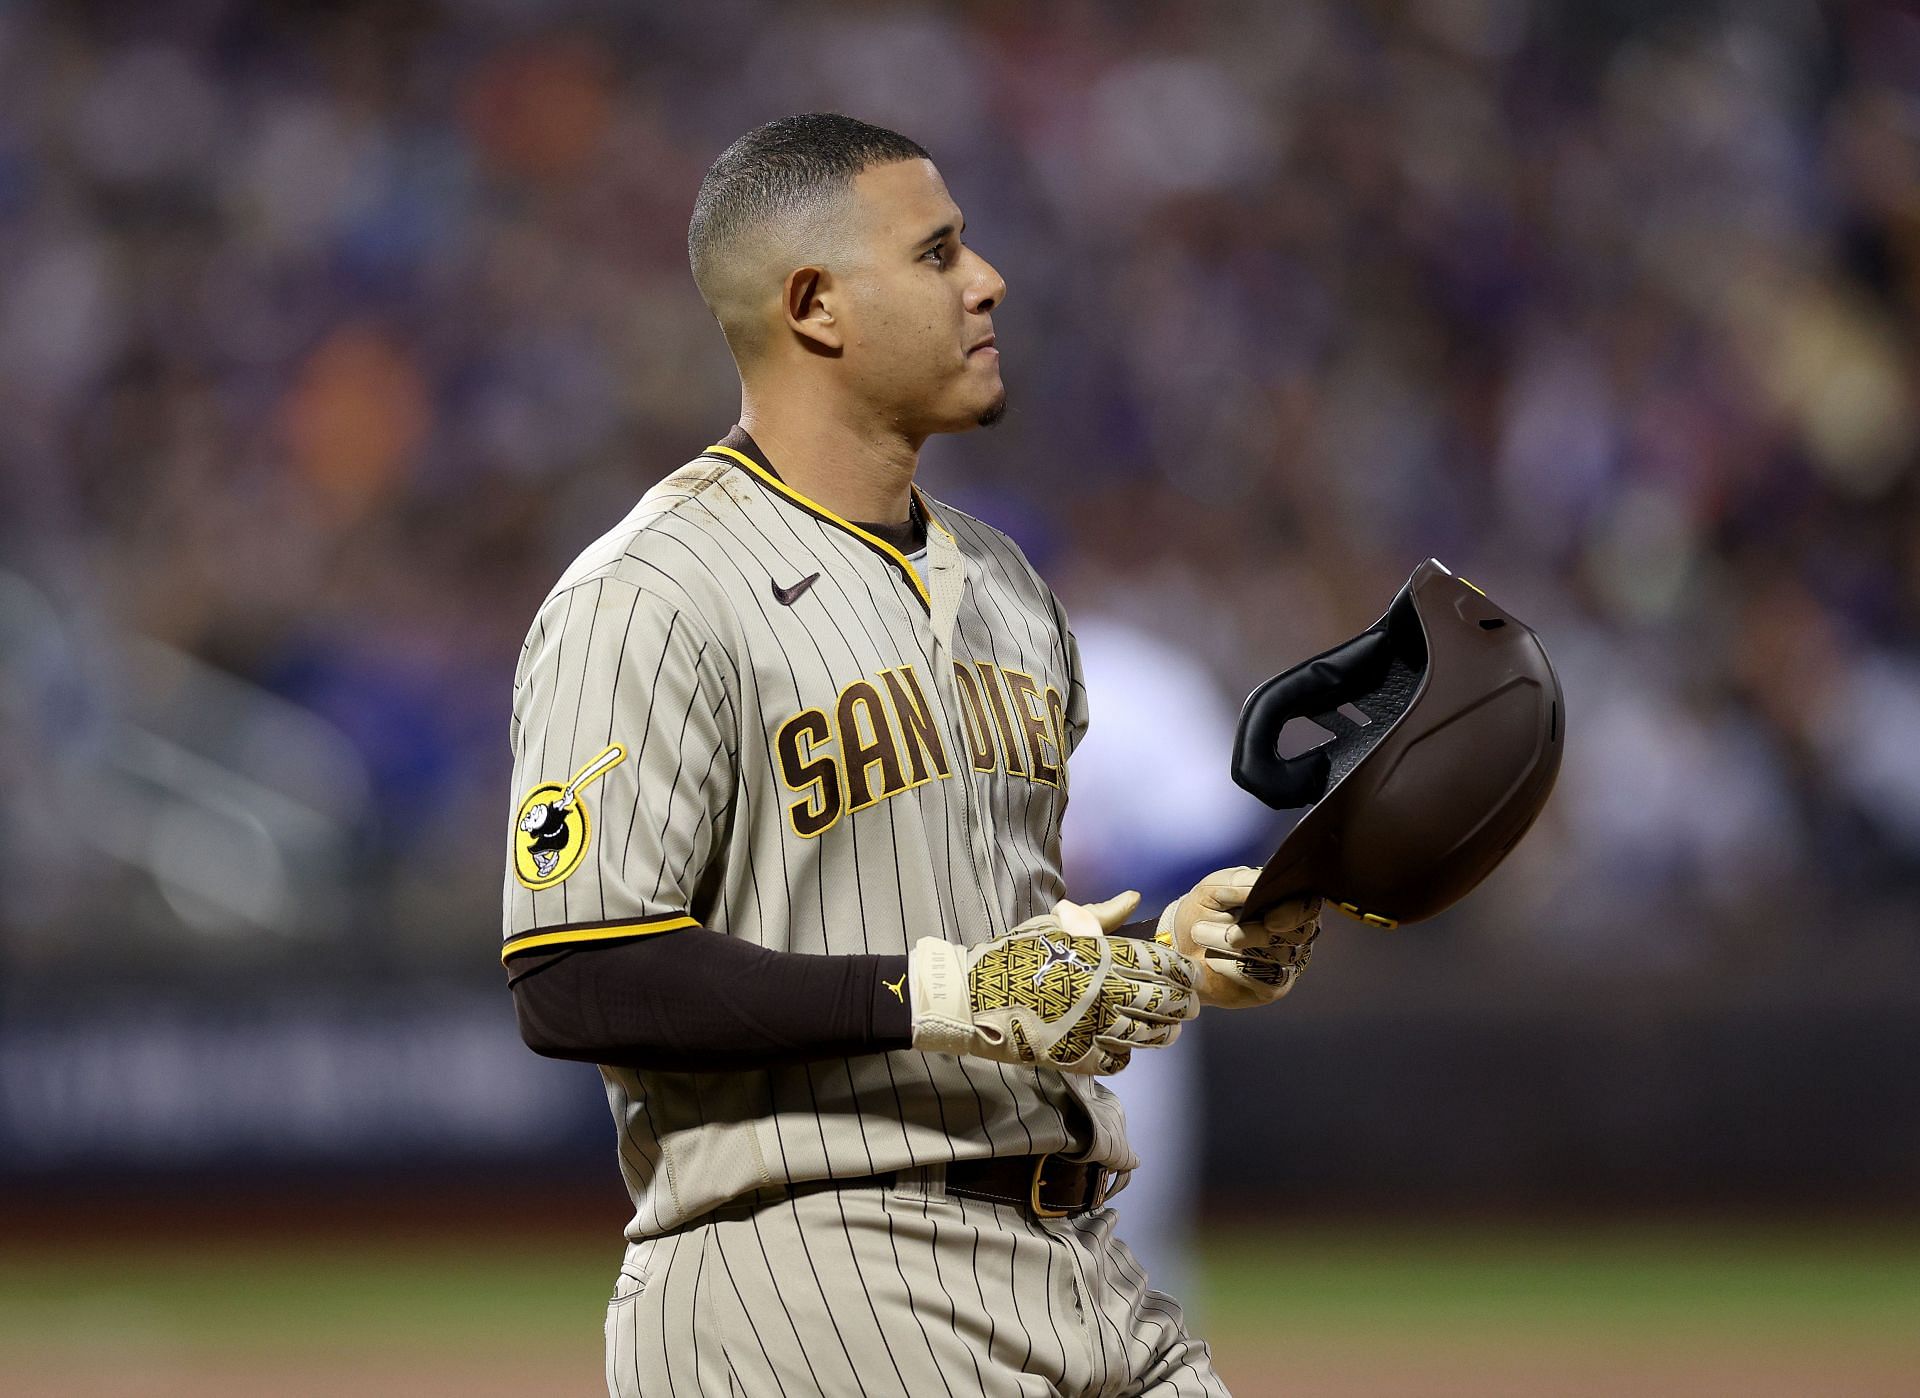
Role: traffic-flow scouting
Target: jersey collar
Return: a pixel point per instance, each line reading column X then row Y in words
column 737, row 446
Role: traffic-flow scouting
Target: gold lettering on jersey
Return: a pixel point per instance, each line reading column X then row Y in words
column 860, row 751
column 1030, row 708
column 973, row 713
column 880, row 739
column 917, row 724
column 1009, row 744
column 817, row 776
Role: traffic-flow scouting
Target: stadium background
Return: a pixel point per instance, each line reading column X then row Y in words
column 329, row 333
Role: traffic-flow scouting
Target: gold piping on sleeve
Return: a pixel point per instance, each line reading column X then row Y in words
column 530, row 941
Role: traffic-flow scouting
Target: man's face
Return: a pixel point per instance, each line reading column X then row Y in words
column 918, row 304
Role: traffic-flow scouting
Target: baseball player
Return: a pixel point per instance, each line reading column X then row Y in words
column 790, row 751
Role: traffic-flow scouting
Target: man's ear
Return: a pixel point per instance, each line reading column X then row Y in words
column 807, row 302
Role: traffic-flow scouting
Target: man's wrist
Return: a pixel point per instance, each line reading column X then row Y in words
column 937, row 997
column 892, row 1014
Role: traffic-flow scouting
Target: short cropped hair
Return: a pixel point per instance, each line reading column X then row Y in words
column 780, row 173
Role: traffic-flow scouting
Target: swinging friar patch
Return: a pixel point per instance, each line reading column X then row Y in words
column 553, row 828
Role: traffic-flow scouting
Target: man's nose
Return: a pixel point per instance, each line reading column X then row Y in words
column 989, row 289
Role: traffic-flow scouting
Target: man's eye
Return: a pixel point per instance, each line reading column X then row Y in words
column 937, row 253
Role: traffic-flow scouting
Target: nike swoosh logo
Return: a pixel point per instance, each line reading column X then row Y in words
column 894, row 986
column 787, row 596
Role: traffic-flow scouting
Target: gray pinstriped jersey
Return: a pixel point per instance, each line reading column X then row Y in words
column 881, row 758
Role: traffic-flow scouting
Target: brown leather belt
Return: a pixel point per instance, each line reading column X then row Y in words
column 1044, row 1185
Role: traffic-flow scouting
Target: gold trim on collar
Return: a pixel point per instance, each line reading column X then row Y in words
column 814, row 507
column 926, row 511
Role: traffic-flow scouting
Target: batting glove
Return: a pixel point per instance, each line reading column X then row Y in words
column 1056, row 991
column 1242, row 963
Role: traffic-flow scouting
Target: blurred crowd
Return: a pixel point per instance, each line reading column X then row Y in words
column 329, row 334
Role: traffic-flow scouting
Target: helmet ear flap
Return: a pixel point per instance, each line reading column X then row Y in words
column 1309, row 691
column 1375, row 674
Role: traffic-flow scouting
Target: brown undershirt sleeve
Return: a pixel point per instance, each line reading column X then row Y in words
column 698, row 1001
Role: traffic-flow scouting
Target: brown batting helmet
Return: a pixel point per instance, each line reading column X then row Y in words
column 1447, row 721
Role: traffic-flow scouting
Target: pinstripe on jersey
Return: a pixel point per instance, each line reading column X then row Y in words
column 881, row 760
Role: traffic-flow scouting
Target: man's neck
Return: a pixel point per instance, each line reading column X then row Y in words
column 860, row 475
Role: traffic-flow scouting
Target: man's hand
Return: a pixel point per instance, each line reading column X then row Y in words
column 1242, row 963
column 1056, row 991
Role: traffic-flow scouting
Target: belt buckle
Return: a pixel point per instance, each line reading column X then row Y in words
column 1033, row 1193
column 1103, row 1179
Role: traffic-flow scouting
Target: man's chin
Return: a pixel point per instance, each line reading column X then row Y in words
column 966, row 419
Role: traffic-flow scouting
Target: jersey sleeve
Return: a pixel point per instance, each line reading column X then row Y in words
column 1076, row 717
column 624, row 741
